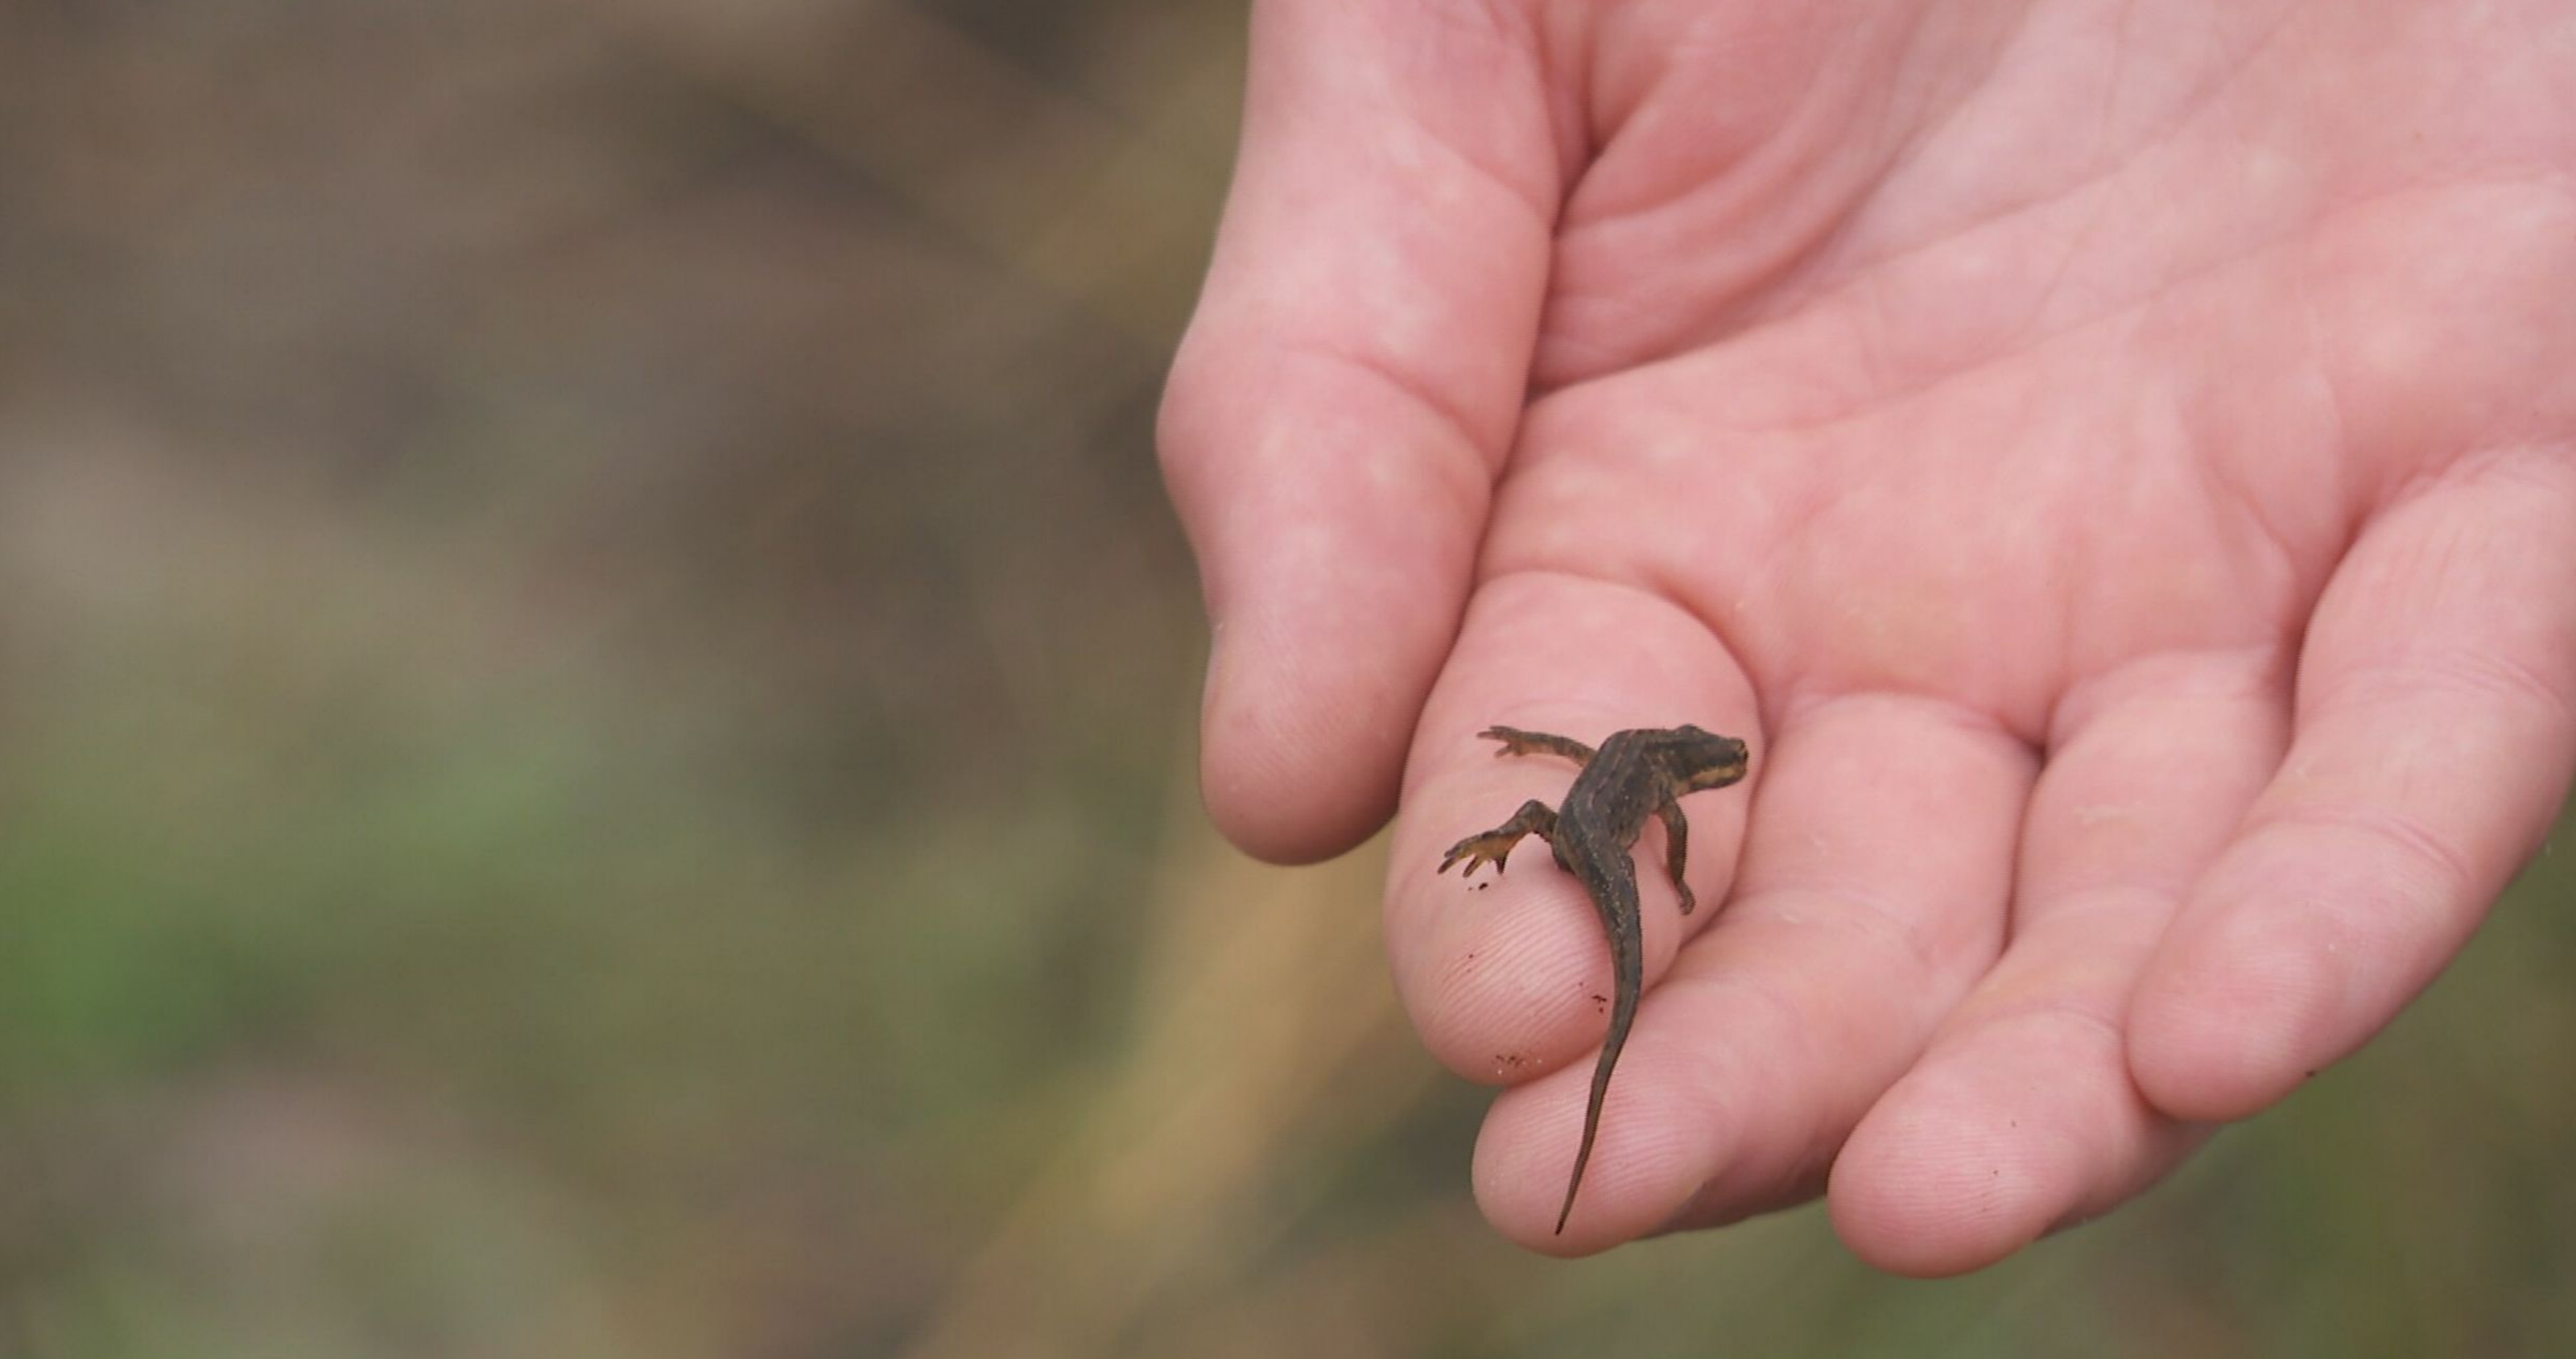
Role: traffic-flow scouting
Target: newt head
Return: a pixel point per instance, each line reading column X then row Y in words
column 1702, row 759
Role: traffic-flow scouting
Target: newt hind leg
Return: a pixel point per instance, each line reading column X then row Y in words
column 1492, row 847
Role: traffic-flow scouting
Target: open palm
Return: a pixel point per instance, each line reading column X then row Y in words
column 2116, row 464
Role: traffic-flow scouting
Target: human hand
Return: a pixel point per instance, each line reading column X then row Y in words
column 2116, row 464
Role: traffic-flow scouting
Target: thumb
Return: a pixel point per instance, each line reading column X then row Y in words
column 1349, row 388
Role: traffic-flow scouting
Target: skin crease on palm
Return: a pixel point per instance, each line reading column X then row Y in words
column 2115, row 463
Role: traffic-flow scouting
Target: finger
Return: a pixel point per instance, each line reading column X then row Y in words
column 2022, row 1115
column 1870, row 893
column 1346, row 393
column 1511, row 980
column 2436, row 727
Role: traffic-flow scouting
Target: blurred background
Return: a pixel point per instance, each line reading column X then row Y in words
column 595, row 688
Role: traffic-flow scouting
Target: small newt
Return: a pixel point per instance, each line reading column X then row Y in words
column 1635, row 774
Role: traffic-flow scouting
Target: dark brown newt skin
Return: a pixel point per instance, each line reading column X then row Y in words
column 1635, row 775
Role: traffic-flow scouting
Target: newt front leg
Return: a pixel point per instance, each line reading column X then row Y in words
column 1676, row 848
column 1518, row 742
column 1492, row 847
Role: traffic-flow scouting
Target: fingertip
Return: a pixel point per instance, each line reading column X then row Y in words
column 1294, row 770
column 1318, row 822
column 1928, row 1187
column 2225, row 1025
column 1518, row 1179
column 1326, row 641
column 1646, row 1165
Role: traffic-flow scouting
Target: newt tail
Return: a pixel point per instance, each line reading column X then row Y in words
column 1628, row 979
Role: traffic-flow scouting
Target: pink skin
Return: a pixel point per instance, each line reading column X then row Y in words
column 2116, row 463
